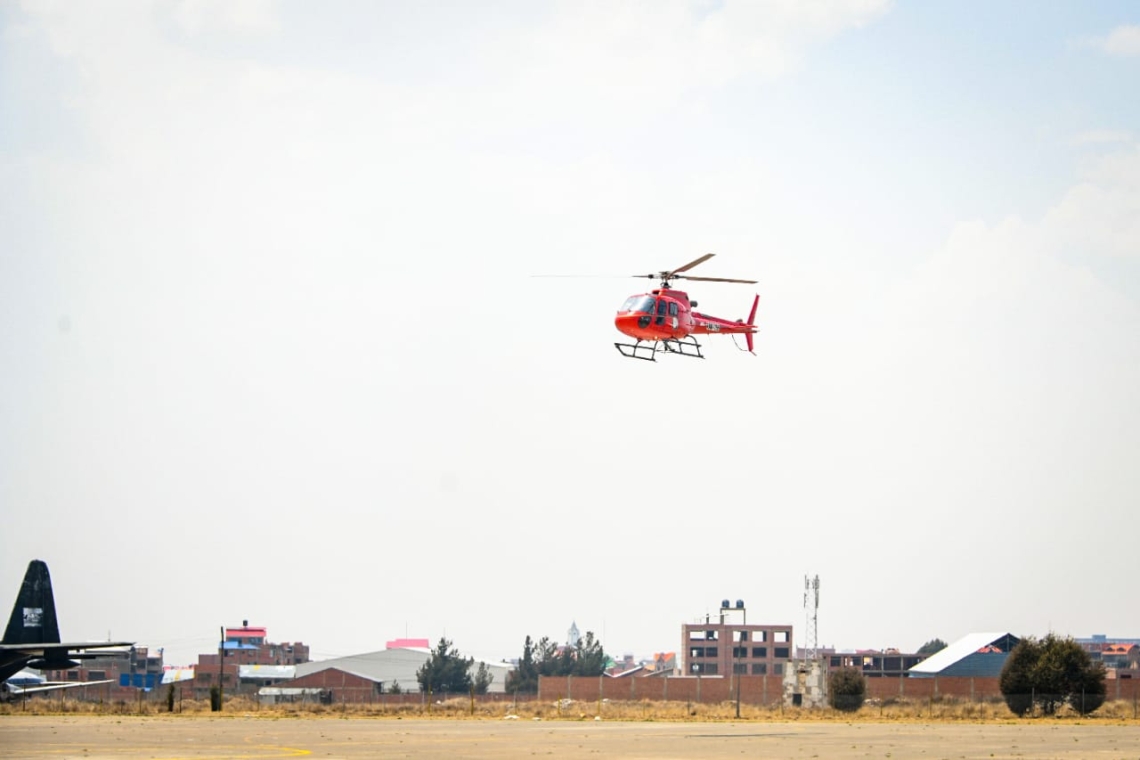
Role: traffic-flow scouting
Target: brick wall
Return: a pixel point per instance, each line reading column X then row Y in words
column 759, row 690
column 768, row 690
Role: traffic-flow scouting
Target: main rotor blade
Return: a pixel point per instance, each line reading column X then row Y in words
column 693, row 263
column 717, row 279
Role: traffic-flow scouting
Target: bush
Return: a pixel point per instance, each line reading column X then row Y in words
column 846, row 689
column 215, row 699
column 1049, row 674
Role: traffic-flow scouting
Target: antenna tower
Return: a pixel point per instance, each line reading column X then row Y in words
column 811, row 611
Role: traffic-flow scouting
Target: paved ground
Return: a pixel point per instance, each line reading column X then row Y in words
column 212, row 737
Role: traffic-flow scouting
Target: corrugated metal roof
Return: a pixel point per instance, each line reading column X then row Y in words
column 959, row 650
column 285, row 691
column 397, row 665
column 267, row 671
column 174, row 675
column 627, row 673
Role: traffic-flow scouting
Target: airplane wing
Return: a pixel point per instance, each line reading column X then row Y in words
column 19, row 690
column 38, row 649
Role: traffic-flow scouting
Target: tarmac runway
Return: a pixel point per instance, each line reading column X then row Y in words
column 171, row 737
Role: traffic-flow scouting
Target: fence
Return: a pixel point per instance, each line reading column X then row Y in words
column 769, row 690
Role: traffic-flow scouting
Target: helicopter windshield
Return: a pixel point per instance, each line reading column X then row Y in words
column 643, row 304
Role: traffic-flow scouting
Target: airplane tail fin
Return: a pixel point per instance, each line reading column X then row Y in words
column 752, row 322
column 33, row 618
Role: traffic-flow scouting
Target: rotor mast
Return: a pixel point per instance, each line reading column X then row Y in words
column 667, row 277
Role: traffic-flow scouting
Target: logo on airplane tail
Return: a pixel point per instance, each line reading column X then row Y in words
column 33, row 617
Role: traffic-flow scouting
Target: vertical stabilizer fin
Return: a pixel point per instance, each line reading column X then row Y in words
column 33, row 618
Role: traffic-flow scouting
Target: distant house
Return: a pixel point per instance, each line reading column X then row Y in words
column 977, row 654
column 664, row 663
column 1117, row 654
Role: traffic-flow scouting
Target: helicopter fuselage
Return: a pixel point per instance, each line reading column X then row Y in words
column 666, row 314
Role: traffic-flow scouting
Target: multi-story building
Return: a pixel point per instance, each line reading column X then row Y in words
column 874, row 662
column 244, row 645
column 727, row 646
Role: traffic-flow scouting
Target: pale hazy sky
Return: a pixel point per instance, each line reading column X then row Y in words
column 270, row 347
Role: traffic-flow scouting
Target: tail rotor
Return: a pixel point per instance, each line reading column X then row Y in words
column 752, row 323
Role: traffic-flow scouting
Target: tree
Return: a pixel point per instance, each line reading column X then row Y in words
column 545, row 658
column 846, row 689
column 394, row 688
column 1050, row 673
column 589, row 656
column 483, row 678
column 446, row 671
column 932, row 646
column 524, row 677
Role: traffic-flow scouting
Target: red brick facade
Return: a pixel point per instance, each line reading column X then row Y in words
column 768, row 690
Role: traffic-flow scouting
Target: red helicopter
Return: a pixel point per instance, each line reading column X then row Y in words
column 665, row 319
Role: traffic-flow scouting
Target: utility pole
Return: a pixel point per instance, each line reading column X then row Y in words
column 221, row 663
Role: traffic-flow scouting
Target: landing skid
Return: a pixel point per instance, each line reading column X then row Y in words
column 639, row 349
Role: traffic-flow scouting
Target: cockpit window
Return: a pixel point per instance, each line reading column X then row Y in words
column 643, row 304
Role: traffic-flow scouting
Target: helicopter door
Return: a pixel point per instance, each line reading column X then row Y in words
column 673, row 314
column 661, row 306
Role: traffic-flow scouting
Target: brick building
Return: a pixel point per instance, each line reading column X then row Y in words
column 728, row 646
column 874, row 662
column 243, row 646
column 137, row 667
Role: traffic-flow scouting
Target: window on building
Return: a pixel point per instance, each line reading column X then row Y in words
column 778, row 669
column 73, row 675
column 759, row 668
column 759, row 651
column 780, row 636
column 835, row 662
column 739, row 652
column 712, row 635
column 759, row 635
column 696, row 651
column 710, row 669
column 740, row 635
column 740, row 668
column 96, row 675
column 710, row 651
column 781, row 653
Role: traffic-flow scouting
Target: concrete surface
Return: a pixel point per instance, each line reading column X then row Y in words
column 169, row 737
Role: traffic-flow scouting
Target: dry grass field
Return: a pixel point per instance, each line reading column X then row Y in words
column 948, row 710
